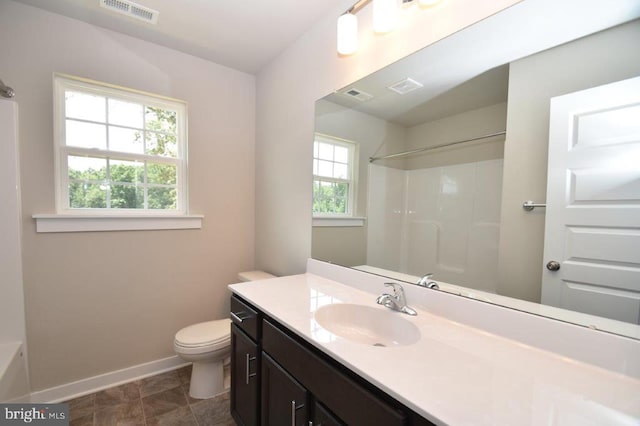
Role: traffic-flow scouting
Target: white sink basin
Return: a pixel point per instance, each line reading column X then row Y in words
column 367, row 325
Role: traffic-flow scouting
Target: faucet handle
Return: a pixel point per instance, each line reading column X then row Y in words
column 425, row 279
column 398, row 291
column 400, row 299
column 394, row 286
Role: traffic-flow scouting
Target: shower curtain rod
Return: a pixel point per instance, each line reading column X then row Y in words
column 6, row 91
column 429, row 148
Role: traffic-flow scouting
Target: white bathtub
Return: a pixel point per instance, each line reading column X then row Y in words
column 14, row 383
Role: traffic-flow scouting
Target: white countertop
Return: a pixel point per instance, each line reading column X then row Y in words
column 455, row 374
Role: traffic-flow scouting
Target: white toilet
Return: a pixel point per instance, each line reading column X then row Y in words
column 207, row 345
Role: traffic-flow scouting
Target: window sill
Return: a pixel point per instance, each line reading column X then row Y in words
column 338, row 221
column 81, row 223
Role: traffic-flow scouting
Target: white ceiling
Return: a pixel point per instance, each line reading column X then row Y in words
column 244, row 35
column 421, row 106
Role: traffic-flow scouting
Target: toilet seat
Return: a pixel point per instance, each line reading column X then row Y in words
column 203, row 337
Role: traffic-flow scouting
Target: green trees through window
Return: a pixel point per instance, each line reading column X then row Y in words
column 334, row 167
column 330, row 197
column 125, row 189
column 120, row 184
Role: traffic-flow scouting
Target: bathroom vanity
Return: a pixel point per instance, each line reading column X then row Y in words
column 290, row 366
column 280, row 379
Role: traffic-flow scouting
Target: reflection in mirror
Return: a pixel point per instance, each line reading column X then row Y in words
column 456, row 210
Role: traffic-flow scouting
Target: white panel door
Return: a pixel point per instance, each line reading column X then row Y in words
column 593, row 202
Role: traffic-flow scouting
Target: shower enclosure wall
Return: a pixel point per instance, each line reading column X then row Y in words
column 14, row 385
column 440, row 220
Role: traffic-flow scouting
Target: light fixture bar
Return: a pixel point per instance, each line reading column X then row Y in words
column 384, row 20
column 358, row 6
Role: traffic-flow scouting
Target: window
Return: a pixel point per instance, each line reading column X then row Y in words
column 118, row 151
column 334, row 171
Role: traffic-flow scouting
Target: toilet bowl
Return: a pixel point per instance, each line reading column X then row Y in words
column 207, row 346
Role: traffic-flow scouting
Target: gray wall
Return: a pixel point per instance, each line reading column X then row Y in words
column 346, row 245
column 101, row 301
column 602, row 58
column 468, row 124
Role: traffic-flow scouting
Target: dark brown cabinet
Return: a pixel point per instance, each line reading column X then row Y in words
column 350, row 401
column 284, row 400
column 245, row 363
column 245, row 380
column 323, row 417
column 277, row 379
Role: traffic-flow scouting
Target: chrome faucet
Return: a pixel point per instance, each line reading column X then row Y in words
column 396, row 301
column 424, row 282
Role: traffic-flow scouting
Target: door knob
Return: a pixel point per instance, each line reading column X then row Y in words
column 553, row 265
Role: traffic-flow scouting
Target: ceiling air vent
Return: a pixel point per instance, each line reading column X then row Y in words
column 132, row 10
column 357, row 94
column 405, row 86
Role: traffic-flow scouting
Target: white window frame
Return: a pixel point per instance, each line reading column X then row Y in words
column 352, row 181
column 63, row 83
column 69, row 219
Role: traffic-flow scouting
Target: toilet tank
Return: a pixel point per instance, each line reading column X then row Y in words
column 254, row 276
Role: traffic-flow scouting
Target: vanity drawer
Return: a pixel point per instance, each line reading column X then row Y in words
column 350, row 401
column 245, row 317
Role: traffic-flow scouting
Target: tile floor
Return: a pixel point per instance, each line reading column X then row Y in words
column 158, row 400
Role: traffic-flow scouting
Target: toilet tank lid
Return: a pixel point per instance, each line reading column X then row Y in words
column 254, row 276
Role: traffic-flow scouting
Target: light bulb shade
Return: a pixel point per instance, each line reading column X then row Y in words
column 347, row 34
column 427, row 2
column 385, row 15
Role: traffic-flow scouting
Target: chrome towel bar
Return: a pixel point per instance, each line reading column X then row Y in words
column 530, row 205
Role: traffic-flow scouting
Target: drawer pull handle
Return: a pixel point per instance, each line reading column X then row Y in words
column 237, row 317
column 249, row 358
column 293, row 412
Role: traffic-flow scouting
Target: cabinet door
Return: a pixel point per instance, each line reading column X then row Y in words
column 323, row 417
column 355, row 404
column 284, row 400
column 245, row 381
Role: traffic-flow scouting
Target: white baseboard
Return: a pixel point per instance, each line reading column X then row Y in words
column 103, row 381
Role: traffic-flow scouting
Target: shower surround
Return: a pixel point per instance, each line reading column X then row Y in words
column 440, row 220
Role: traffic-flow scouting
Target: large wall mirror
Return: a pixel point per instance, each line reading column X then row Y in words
column 432, row 158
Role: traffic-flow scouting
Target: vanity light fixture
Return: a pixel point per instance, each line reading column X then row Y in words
column 348, row 29
column 385, row 15
column 347, row 34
